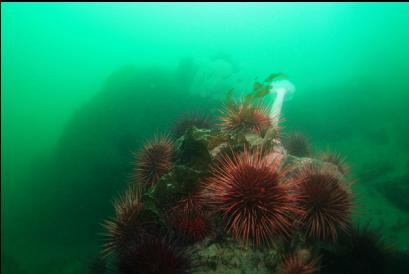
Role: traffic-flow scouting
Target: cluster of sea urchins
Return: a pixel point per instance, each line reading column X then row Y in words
column 256, row 197
column 133, row 236
column 136, row 244
column 259, row 202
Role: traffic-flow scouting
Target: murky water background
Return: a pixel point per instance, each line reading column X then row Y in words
column 83, row 85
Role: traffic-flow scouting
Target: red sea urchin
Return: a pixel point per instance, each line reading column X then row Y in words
column 297, row 265
column 192, row 227
column 128, row 223
column 189, row 219
column 154, row 160
column 245, row 116
column 249, row 193
column 155, row 255
column 326, row 201
column 363, row 250
column 337, row 160
column 297, row 144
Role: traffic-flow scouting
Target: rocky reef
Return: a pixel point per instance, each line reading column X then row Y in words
column 231, row 199
column 195, row 151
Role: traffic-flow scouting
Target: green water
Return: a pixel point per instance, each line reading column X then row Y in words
column 69, row 126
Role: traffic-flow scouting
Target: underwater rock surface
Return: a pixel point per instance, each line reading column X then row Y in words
column 231, row 257
column 234, row 201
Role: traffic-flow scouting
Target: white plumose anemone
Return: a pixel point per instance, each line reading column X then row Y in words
column 282, row 89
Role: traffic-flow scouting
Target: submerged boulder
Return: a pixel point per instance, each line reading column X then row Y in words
column 91, row 161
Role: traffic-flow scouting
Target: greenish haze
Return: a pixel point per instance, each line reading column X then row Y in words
column 348, row 61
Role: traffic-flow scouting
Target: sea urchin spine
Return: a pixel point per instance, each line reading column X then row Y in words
column 156, row 255
column 189, row 219
column 337, row 160
column 297, row 265
column 245, row 117
column 297, row 144
column 127, row 224
column 326, row 201
column 154, row 160
column 249, row 193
